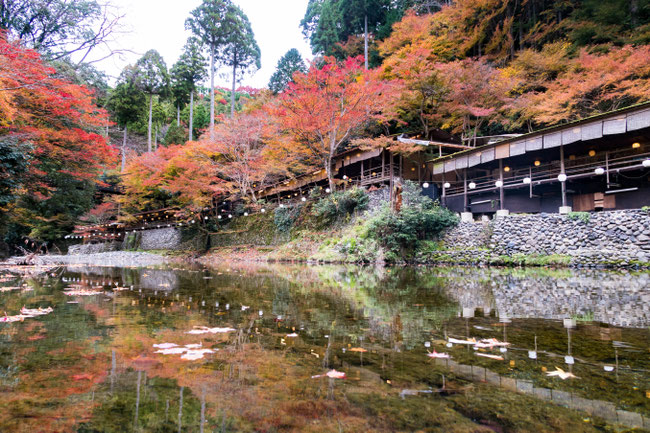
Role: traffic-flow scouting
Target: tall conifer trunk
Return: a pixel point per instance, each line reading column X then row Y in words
column 212, row 92
column 365, row 31
column 150, row 114
column 232, row 94
column 191, row 114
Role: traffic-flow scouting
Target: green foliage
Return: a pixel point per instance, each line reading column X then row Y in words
column 187, row 71
column 175, row 135
column 585, row 217
column 284, row 217
column 288, row 65
column 646, row 209
column 419, row 219
column 341, row 204
column 13, row 165
column 151, row 73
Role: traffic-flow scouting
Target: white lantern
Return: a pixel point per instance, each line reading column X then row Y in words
column 425, row 185
column 527, row 180
column 447, row 185
column 561, row 177
column 281, row 204
column 646, row 163
column 599, row 171
column 345, row 177
column 205, row 218
column 327, row 190
column 229, row 216
column 498, row 184
column 263, row 210
column 193, row 221
column 472, row 185
column 245, row 213
column 219, row 216
column 303, row 199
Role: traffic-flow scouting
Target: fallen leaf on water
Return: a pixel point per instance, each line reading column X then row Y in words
column 332, row 374
column 487, row 355
column 435, row 354
column 358, row 349
column 562, row 374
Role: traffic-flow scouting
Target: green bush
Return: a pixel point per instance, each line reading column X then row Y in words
column 582, row 216
column 284, row 217
column 341, row 204
column 419, row 219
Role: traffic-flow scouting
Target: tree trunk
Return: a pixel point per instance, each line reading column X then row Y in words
column 212, row 92
column 232, row 93
column 178, row 115
column 150, row 114
column 191, row 114
column 155, row 140
column 124, row 151
column 634, row 11
column 365, row 43
column 328, row 170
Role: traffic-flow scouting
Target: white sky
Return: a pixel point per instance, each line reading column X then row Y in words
column 160, row 25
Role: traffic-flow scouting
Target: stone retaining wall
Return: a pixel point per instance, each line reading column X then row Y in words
column 94, row 248
column 596, row 238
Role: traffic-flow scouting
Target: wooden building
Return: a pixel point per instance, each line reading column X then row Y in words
column 602, row 162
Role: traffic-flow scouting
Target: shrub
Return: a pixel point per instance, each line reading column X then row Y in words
column 340, row 204
column 284, row 217
column 582, row 216
column 419, row 219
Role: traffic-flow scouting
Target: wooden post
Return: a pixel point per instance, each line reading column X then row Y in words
column 562, row 172
column 607, row 167
column 390, row 183
column 501, row 192
column 465, row 204
column 444, row 191
column 383, row 163
column 530, row 185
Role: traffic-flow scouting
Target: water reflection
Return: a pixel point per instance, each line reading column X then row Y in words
column 91, row 365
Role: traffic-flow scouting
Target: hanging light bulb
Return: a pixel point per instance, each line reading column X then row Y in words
column 446, row 185
column 498, row 184
column 303, row 199
column 527, row 180
column 599, row 171
column 472, row 185
column 425, row 185
column 506, row 169
column 561, row 177
column 537, row 163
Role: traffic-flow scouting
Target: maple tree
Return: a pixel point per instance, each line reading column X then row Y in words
column 325, row 107
column 58, row 125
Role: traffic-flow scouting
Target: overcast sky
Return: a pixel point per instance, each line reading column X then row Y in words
column 160, row 25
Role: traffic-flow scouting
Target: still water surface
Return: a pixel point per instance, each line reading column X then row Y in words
column 249, row 349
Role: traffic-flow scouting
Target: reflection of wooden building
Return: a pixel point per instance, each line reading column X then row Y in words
column 602, row 162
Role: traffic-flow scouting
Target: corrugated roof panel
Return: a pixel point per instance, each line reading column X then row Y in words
column 572, row 135
column 614, row 126
column 552, row 140
column 534, row 144
column 517, row 148
column 637, row 121
column 487, row 155
column 592, row 131
column 474, row 159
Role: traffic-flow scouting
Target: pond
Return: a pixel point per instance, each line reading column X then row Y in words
column 278, row 348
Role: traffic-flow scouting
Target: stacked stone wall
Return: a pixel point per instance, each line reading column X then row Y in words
column 616, row 237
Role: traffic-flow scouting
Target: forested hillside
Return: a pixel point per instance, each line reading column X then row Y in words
column 168, row 136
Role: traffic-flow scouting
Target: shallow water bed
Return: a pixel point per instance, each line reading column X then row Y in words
column 326, row 348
